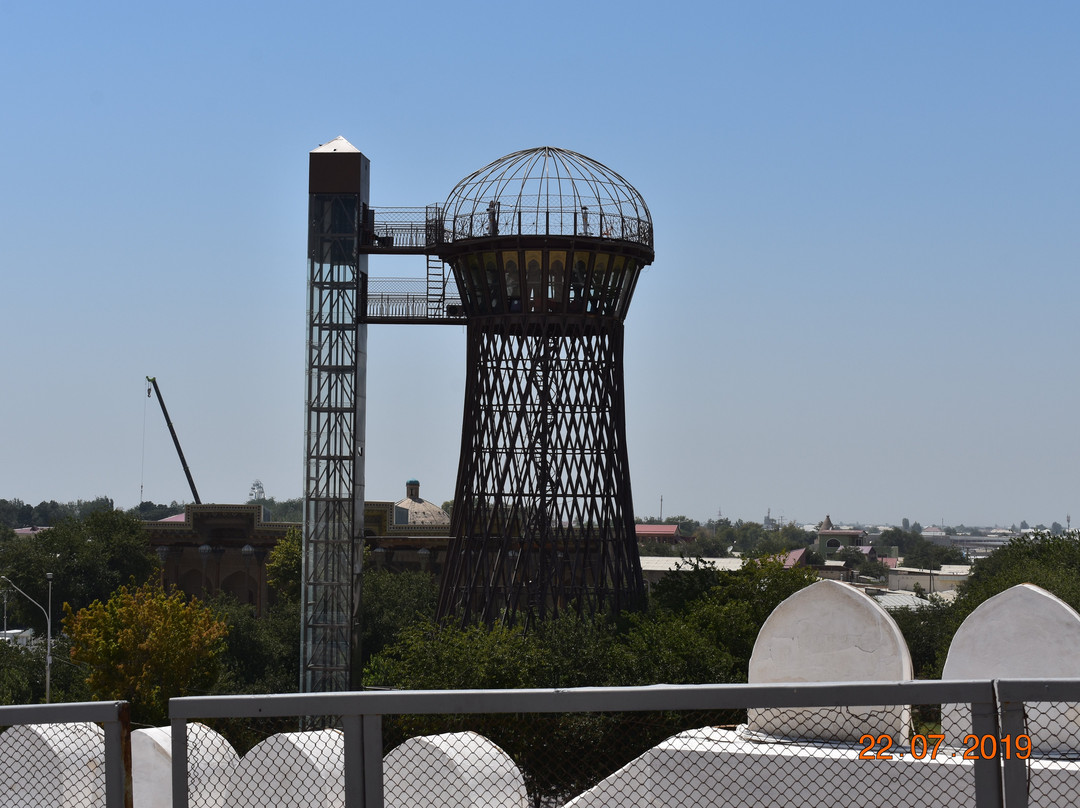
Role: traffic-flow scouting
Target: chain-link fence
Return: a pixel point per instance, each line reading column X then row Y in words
column 1039, row 742
column 820, row 744
column 71, row 755
column 988, row 744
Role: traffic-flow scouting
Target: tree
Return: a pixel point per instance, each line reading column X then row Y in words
column 287, row 510
column 15, row 513
column 284, row 566
column 851, row 557
column 690, row 580
column 22, row 673
column 89, row 558
column 1038, row 558
column 152, row 511
column 391, row 601
column 146, row 647
column 928, row 630
column 262, row 654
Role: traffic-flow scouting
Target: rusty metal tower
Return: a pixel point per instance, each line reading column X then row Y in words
column 546, row 247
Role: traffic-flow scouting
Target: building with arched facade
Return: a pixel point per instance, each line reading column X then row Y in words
column 214, row 548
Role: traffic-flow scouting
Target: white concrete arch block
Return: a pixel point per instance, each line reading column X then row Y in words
column 60, row 765
column 1023, row 632
column 457, row 769
column 292, row 770
column 830, row 632
column 211, row 761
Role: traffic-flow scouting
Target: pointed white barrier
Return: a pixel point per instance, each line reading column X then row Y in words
column 1023, row 632
column 59, row 765
column 830, row 632
column 460, row 769
column 292, row 770
column 211, row 762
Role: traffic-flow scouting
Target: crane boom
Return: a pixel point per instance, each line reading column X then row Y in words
column 176, row 440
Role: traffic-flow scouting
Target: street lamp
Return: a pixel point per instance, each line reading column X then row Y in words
column 48, row 628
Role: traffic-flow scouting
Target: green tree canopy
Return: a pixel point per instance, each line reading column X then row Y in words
column 286, row 510
column 284, row 566
column 1037, row 558
column 391, row 601
column 90, row 557
column 146, row 647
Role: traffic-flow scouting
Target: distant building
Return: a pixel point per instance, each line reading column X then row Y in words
column 831, row 539
column 935, row 534
column 17, row 636
column 669, row 534
column 213, row 548
column 415, row 511
column 938, row 582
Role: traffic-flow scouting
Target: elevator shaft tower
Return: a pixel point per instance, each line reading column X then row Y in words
column 338, row 182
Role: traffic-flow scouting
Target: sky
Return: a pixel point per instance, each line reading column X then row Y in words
column 865, row 215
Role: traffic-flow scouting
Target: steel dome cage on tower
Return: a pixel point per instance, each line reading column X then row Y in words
column 547, row 192
column 546, row 232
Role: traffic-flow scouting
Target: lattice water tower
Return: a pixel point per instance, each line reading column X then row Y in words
column 546, row 247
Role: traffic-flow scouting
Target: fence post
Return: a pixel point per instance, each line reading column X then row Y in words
column 354, row 761
column 179, row 763
column 363, row 760
column 373, row 761
column 984, row 721
column 118, row 758
column 1013, row 769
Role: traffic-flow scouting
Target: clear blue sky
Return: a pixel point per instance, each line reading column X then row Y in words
column 866, row 240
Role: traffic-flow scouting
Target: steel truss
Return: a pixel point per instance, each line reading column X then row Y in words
column 334, row 474
column 543, row 514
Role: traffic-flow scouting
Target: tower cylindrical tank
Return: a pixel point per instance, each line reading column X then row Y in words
column 546, row 247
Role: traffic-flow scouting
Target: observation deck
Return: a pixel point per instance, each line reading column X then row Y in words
column 435, row 299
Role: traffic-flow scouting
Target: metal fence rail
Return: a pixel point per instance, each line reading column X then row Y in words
column 990, row 744
column 664, row 745
column 76, row 755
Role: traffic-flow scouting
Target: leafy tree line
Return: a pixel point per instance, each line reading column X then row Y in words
column 15, row 513
column 700, row 627
column 719, row 538
column 1043, row 559
column 286, row 510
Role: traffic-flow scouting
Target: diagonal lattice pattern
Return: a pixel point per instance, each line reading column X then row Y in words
column 543, row 516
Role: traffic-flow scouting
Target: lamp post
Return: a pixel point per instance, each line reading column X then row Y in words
column 48, row 629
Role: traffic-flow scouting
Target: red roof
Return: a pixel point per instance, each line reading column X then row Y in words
column 659, row 530
column 793, row 558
